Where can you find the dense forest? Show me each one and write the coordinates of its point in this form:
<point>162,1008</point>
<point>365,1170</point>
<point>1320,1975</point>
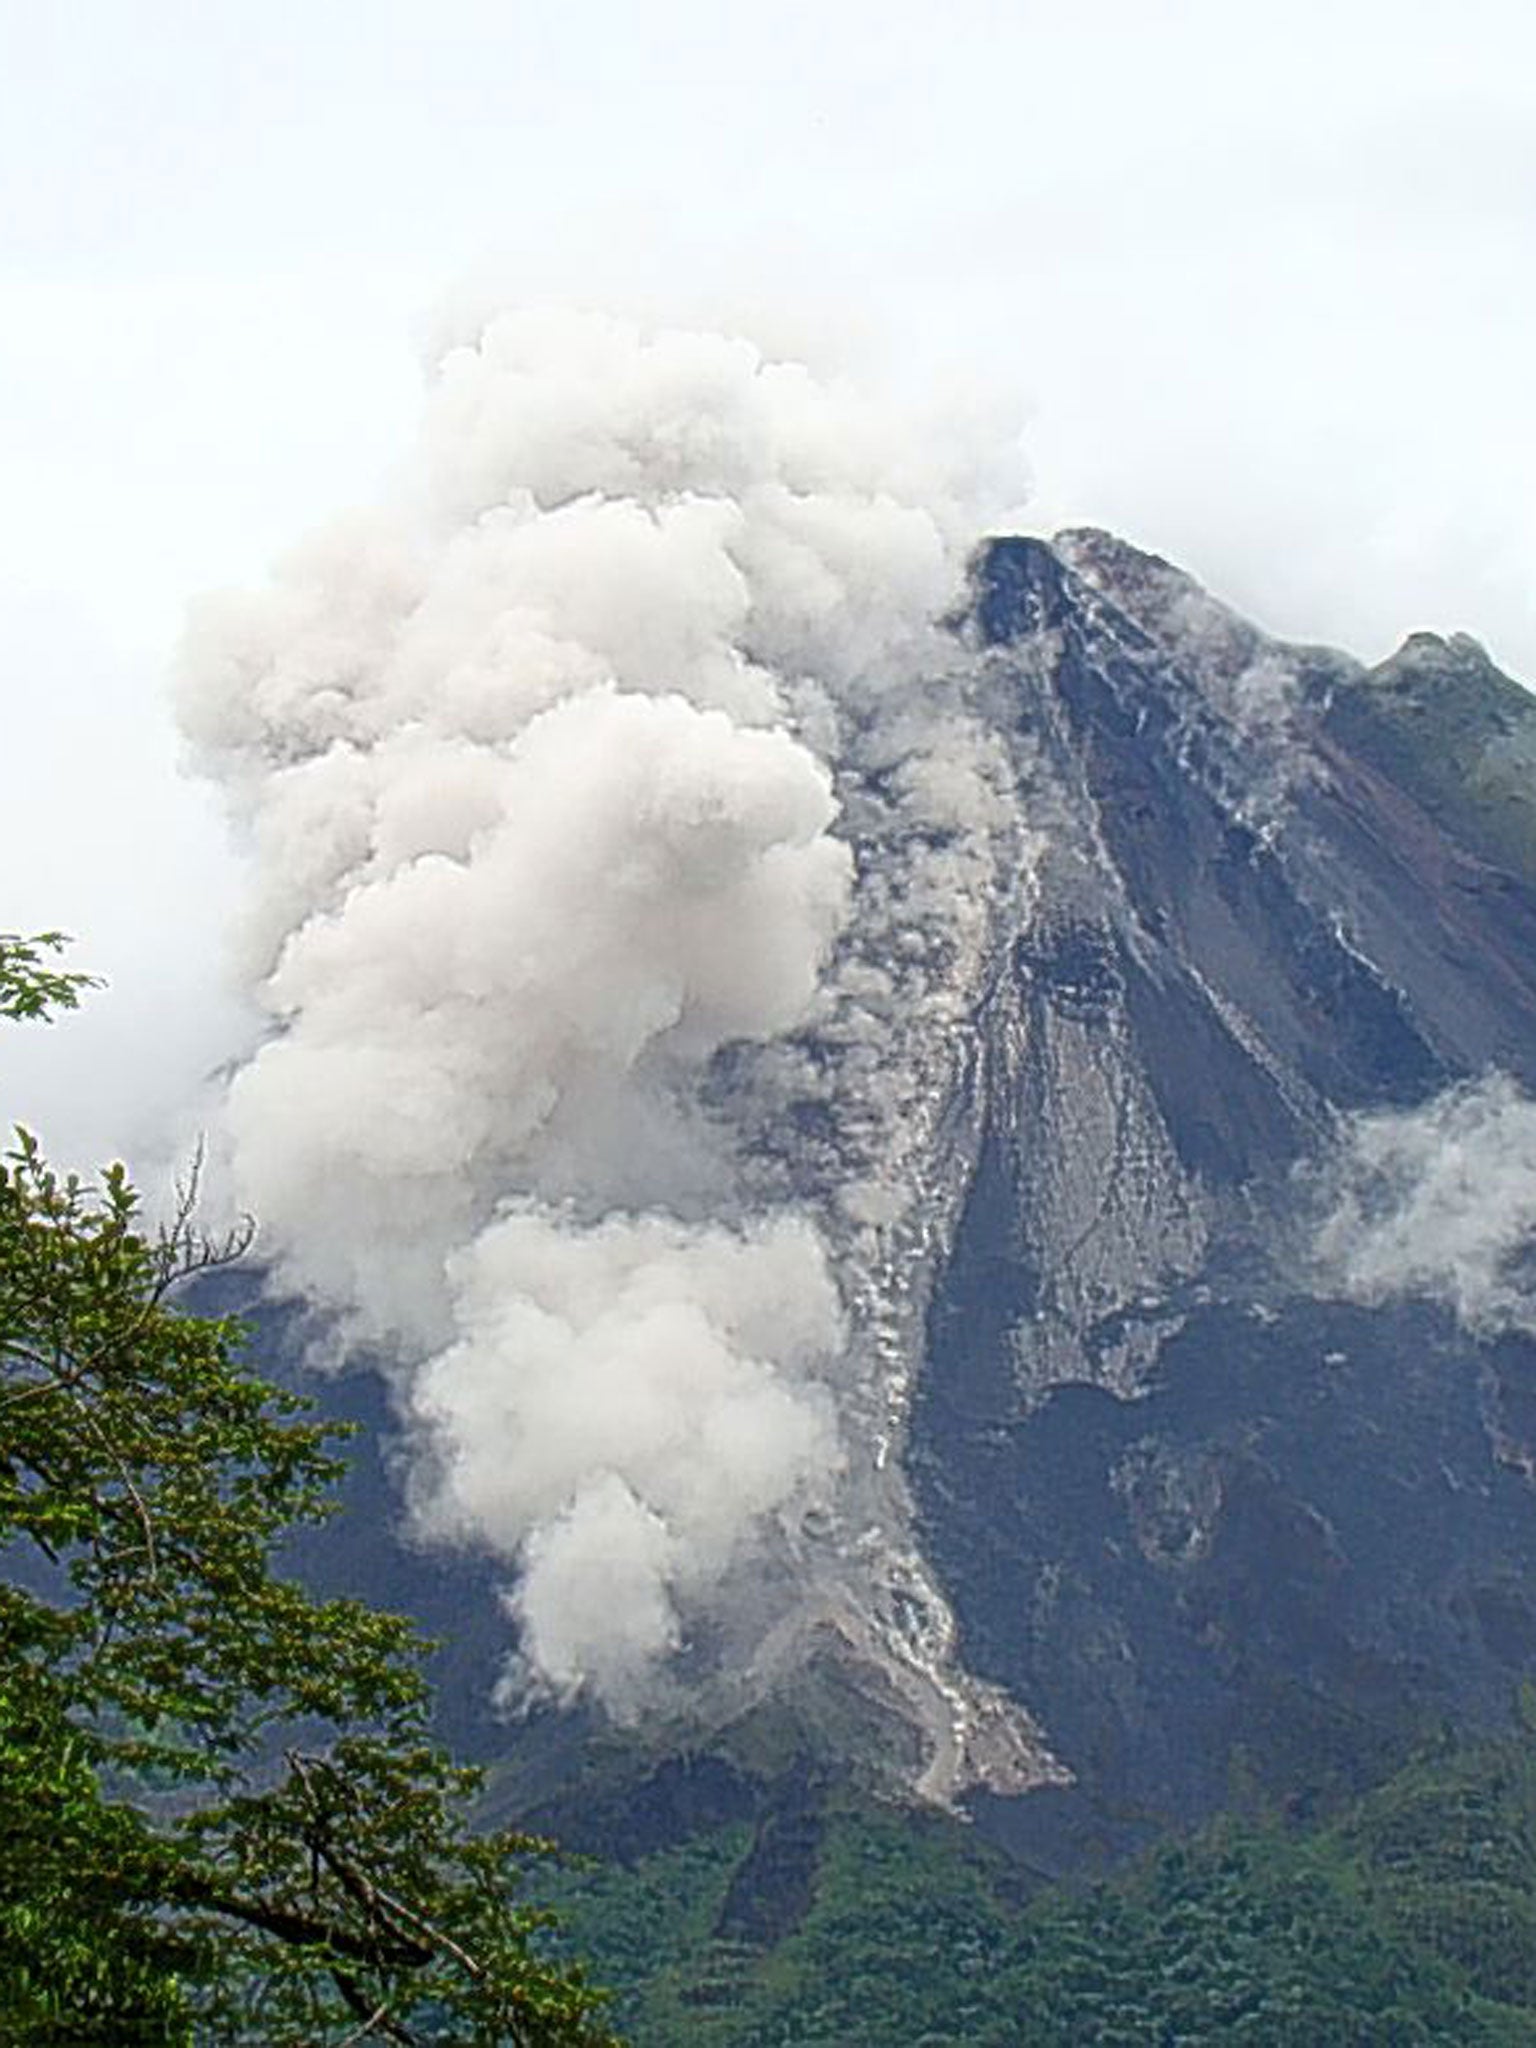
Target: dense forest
<point>1407,1915</point>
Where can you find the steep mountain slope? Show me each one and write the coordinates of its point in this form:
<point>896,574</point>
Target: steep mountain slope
<point>1204,1512</point>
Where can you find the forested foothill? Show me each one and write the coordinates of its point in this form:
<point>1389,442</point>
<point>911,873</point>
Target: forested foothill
<point>1407,1915</point>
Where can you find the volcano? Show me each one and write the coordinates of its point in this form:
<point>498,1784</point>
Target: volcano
<point>1208,1504</point>
<point>1173,1489</point>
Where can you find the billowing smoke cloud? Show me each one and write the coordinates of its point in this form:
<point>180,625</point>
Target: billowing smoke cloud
<point>538,939</point>
<point>631,1417</point>
<point>1440,1202</point>
<point>532,761</point>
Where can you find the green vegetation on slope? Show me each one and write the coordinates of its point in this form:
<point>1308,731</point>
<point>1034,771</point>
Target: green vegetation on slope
<point>1409,1917</point>
<point>1458,736</point>
<point>222,1814</point>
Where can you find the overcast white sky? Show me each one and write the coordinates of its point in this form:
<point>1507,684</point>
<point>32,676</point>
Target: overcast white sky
<point>1264,277</point>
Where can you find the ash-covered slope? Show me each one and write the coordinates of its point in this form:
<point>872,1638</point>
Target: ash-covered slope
<point>1162,1116</point>
<point>1223,1442</point>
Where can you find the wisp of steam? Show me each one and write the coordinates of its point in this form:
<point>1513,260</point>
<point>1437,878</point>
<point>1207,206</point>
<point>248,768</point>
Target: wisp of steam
<point>538,766</point>
<point>1439,1202</point>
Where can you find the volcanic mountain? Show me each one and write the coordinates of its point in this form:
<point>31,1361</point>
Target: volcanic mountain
<point>1211,1440</point>
<point>1222,1468</point>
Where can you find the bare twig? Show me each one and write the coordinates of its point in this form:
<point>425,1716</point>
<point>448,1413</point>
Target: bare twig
<point>380,2015</point>
<point>141,1512</point>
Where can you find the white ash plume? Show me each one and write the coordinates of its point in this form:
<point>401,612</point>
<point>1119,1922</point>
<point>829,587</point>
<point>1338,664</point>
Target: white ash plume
<point>643,1394</point>
<point>533,764</point>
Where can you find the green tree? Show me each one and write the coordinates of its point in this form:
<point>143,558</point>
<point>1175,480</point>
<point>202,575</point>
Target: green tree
<point>222,1816</point>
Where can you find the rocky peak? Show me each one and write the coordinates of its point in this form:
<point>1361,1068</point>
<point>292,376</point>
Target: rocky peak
<point>1174,1478</point>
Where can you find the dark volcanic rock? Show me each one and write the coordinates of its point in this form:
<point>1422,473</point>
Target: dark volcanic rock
<point>1217,1529</point>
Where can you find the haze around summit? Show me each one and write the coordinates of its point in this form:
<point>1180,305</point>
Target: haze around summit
<point>1257,281</point>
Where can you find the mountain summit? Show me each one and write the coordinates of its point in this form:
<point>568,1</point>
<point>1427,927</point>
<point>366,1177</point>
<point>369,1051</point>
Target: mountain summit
<point>1224,1439</point>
